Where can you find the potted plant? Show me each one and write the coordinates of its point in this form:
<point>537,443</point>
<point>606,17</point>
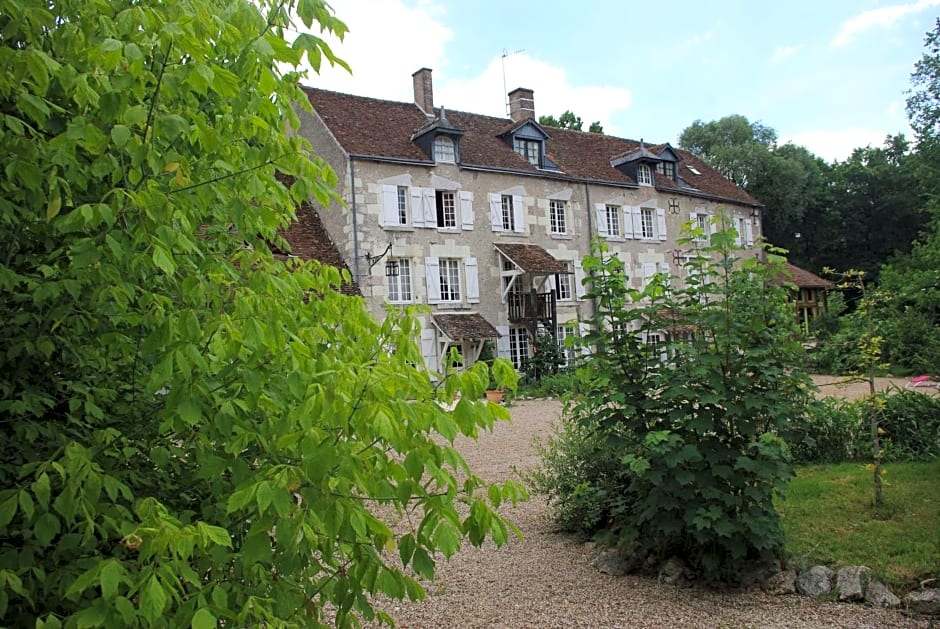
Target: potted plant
<point>501,374</point>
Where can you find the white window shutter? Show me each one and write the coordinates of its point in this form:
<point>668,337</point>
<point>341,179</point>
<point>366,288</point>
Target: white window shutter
<point>466,209</point>
<point>432,267</point>
<point>664,269</point>
<point>749,232</point>
<point>429,207</point>
<point>627,222</point>
<point>417,213</point>
<point>389,215</point>
<point>579,279</point>
<point>600,211</point>
<point>649,270</point>
<point>637,222</point>
<point>496,212</point>
<point>427,348</point>
<point>518,213</point>
<point>502,342</point>
<point>473,280</point>
<point>661,219</point>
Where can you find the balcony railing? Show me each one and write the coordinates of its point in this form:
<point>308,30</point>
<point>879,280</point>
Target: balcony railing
<point>531,307</point>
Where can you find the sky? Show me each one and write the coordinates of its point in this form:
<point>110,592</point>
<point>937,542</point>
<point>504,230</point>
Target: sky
<point>830,75</point>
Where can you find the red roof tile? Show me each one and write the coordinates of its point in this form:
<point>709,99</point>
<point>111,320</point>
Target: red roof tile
<point>532,258</point>
<point>792,274</point>
<point>383,129</point>
<point>465,326</point>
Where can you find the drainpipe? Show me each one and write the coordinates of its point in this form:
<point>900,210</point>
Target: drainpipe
<point>355,221</point>
<point>590,222</point>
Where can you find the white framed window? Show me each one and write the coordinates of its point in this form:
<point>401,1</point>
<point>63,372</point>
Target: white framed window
<point>557,214</point>
<point>644,176</point>
<point>450,279</point>
<point>446,209</point>
<point>402,203</point>
<point>565,292</point>
<point>529,149</point>
<point>508,213</point>
<point>612,220</point>
<point>569,354</point>
<point>399,286</point>
<point>702,223</point>
<point>647,223</point>
<point>444,150</point>
<point>518,347</point>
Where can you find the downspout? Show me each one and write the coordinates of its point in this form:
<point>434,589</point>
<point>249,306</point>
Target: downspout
<point>590,222</point>
<point>355,221</point>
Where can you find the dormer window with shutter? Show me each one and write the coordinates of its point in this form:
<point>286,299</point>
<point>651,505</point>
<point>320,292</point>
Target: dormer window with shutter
<point>440,139</point>
<point>528,139</point>
<point>638,165</point>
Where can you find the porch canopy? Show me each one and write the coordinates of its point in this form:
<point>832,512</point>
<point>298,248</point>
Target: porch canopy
<point>529,260</point>
<point>470,330</point>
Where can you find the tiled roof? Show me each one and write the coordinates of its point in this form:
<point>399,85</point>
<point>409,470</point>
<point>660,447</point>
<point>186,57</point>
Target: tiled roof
<point>793,274</point>
<point>465,326</point>
<point>383,129</point>
<point>309,240</point>
<point>531,258</point>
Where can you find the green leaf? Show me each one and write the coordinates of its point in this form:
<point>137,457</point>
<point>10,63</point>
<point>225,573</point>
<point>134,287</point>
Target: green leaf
<point>163,260</point>
<point>203,619</point>
<point>422,564</point>
<point>46,528</point>
<point>111,575</point>
<point>120,134</point>
<point>152,600</point>
<point>53,207</point>
<point>8,510</point>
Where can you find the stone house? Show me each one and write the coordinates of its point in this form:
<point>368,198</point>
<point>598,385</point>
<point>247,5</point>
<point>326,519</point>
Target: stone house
<point>487,219</point>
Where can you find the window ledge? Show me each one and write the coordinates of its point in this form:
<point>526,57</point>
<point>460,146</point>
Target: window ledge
<point>398,228</point>
<point>449,230</point>
<point>562,236</point>
<point>453,305</point>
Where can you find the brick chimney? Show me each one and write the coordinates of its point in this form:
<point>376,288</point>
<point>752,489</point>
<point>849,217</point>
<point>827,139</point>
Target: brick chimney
<point>424,93</point>
<point>521,104</point>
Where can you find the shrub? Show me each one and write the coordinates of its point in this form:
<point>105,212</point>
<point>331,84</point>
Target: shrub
<point>672,448</point>
<point>836,431</point>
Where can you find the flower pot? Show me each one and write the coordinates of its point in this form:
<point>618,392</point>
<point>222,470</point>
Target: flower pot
<point>495,395</point>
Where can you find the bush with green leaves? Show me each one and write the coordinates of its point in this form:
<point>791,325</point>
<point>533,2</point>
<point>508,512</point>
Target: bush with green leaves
<point>546,359</point>
<point>672,447</point>
<point>838,431</point>
<point>192,432</point>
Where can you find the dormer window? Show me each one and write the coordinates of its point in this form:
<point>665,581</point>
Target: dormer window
<point>529,149</point>
<point>444,150</point>
<point>644,176</point>
<point>667,168</point>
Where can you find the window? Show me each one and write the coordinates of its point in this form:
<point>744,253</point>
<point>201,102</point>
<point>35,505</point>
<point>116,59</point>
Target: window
<point>444,150</point>
<point>518,347</point>
<point>450,279</point>
<point>529,149</point>
<point>702,224</point>
<point>399,286</point>
<point>646,224</point>
<point>446,209</point>
<point>509,219</point>
<point>612,216</point>
<point>644,176</point>
<point>557,217</point>
<point>402,205</point>
<point>569,354</point>
<point>564,287</point>
<point>670,169</point>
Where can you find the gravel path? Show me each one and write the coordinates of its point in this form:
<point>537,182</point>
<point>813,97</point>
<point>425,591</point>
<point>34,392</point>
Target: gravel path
<point>545,579</point>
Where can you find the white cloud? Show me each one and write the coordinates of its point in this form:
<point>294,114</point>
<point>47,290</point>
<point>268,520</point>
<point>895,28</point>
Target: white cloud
<point>382,61</point>
<point>554,91</point>
<point>783,52</point>
<point>837,145</point>
<point>882,16</point>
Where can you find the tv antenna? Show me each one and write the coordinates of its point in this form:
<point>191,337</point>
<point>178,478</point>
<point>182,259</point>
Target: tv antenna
<point>505,93</point>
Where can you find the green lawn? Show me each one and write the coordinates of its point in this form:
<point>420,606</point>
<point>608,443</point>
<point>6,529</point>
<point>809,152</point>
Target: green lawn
<point>828,517</point>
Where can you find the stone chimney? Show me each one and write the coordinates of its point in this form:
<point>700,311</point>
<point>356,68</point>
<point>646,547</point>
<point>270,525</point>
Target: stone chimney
<point>424,94</point>
<point>521,104</point>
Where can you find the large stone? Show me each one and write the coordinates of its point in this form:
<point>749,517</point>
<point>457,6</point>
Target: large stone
<point>878,594</point>
<point>815,581</point>
<point>924,603</point>
<point>851,582</point>
<point>672,572</point>
<point>783,582</point>
<point>611,562</point>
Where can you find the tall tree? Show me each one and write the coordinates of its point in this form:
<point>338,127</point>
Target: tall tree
<point>193,432</point>
<point>569,120</point>
<point>733,145</point>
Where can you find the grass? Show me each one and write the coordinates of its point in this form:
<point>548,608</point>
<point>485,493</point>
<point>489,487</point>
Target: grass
<point>828,516</point>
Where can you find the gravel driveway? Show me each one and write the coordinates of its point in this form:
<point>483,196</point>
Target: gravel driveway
<point>545,579</point>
